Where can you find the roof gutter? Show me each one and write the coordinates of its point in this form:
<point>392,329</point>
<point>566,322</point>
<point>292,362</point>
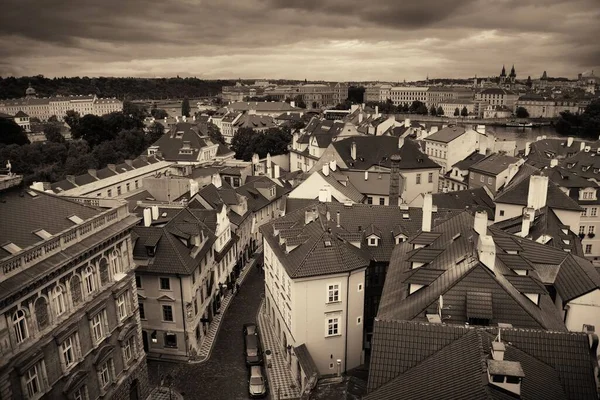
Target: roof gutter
<point>185,337</point>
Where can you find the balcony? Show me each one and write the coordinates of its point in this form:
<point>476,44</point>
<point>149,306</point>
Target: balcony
<point>61,241</point>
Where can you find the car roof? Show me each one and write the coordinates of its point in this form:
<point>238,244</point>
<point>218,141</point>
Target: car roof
<point>255,370</point>
<point>251,339</point>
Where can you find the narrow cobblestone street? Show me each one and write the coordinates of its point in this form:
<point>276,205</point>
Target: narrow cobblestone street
<point>224,375</point>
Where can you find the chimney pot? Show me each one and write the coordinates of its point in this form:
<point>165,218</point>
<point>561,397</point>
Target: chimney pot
<point>338,219</point>
<point>147,217</point>
<point>427,211</point>
<point>325,169</point>
<point>366,175</point>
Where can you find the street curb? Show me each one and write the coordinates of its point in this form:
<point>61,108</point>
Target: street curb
<point>240,280</point>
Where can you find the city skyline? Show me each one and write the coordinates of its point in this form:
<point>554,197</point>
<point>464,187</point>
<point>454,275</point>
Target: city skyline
<point>315,40</point>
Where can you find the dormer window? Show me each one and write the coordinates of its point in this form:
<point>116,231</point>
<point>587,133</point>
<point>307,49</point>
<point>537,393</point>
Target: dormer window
<point>570,165</point>
<point>151,251</point>
<point>413,287</point>
<point>373,241</point>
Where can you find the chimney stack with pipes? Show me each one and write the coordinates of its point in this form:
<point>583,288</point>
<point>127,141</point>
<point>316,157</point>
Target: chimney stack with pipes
<point>528,216</point>
<point>486,251</point>
<point>538,192</point>
<point>325,169</point>
<point>395,180</point>
<point>332,165</point>
<point>154,212</point>
<point>427,212</point>
<point>324,195</point>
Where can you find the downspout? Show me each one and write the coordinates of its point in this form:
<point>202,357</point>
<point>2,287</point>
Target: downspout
<point>347,318</point>
<point>185,338</point>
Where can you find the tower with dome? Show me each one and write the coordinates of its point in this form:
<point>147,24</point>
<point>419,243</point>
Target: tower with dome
<point>30,92</point>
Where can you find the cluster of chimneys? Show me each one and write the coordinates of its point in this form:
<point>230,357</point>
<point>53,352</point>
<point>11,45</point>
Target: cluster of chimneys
<point>329,166</point>
<point>272,170</point>
<point>150,214</point>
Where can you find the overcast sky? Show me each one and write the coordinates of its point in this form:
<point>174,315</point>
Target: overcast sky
<point>336,40</point>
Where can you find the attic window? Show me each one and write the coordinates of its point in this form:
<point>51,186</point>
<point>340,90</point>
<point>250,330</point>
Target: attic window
<point>373,241</point>
<point>75,219</point>
<point>327,243</point>
<point>405,216</point>
<point>179,134</point>
<point>413,287</point>
<point>11,248</point>
<point>150,250</point>
<point>534,297</point>
<point>455,236</point>
<point>32,193</point>
<point>570,165</point>
<point>460,259</point>
<point>43,234</point>
<point>585,167</point>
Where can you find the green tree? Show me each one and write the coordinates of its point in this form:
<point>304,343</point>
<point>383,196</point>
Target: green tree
<point>299,101</point>
<point>586,125</point>
<point>72,119</point>
<point>215,133</point>
<point>53,118</point>
<point>11,133</point>
<point>93,129</point>
<point>52,130</point>
<point>155,132</point>
<point>185,107</point>
<point>521,112</point>
<point>135,112</point>
<point>464,112</point>
<point>456,112</point>
<point>159,113</point>
<point>433,111</point>
<point>440,111</point>
<point>418,107</point>
<point>243,143</point>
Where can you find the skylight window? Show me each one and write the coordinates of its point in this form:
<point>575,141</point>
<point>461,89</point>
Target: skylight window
<point>405,216</point>
<point>43,234</point>
<point>75,219</point>
<point>32,193</point>
<point>11,248</point>
<point>327,243</point>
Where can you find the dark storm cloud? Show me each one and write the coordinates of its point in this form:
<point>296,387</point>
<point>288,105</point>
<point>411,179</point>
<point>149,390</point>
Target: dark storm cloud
<point>376,39</point>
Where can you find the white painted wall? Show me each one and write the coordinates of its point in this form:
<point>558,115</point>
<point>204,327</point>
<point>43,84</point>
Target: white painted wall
<point>309,189</point>
<point>584,310</point>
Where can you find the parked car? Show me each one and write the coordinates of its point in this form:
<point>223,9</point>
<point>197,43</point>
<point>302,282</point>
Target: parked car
<point>250,329</point>
<point>252,350</point>
<point>257,383</point>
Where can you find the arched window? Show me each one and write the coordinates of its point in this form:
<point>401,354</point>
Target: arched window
<point>104,278</point>
<point>115,263</point>
<point>88,280</point>
<point>59,301</point>
<point>75,285</point>
<point>20,326</point>
<point>41,312</point>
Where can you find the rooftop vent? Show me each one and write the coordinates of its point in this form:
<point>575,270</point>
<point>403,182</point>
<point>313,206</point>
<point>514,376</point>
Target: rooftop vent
<point>11,248</point>
<point>75,219</point>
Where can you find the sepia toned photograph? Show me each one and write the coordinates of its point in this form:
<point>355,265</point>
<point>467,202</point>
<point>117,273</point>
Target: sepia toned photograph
<point>299,200</point>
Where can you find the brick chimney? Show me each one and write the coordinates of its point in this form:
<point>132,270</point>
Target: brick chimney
<point>486,251</point>
<point>395,180</point>
<point>325,169</point>
<point>538,192</point>
<point>427,212</point>
<point>528,217</point>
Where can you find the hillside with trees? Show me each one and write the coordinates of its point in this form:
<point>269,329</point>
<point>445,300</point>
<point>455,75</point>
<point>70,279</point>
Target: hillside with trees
<point>121,88</point>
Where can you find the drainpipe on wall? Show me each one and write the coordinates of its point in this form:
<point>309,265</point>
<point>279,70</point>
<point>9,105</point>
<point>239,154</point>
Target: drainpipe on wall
<point>347,317</point>
<point>185,338</point>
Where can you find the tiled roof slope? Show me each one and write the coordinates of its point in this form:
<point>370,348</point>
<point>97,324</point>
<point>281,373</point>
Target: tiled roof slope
<point>376,151</point>
<point>571,275</point>
<point>24,213</point>
<point>566,178</point>
<point>472,199</point>
<point>173,141</point>
<point>430,361</point>
<point>493,164</point>
<point>471,159</point>
<point>172,256</point>
<point>263,106</point>
<point>546,223</point>
<point>542,151</point>
<point>256,200</point>
<point>323,131</point>
<point>341,182</point>
<point>518,193</point>
<point>585,164</point>
<point>453,257</point>
<point>446,135</point>
<point>254,121</point>
<point>354,222</point>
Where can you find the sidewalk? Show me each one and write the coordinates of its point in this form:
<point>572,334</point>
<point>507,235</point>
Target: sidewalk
<point>209,340</point>
<point>282,385</point>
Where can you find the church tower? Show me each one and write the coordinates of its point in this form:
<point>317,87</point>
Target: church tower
<point>503,75</point>
<point>513,75</point>
<point>30,92</point>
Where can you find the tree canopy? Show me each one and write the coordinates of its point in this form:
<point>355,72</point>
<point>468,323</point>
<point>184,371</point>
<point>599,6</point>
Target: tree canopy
<point>215,133</point>
<point>246,142</point>
<point>464,112</point>
<point>418,107</point>
<point>521,112</point>
<point>586,125</point>
<point>12,133</point>
<point>185,107</point>
<point>52,131</point>
<point>456,112</point>
<point>440,111</point>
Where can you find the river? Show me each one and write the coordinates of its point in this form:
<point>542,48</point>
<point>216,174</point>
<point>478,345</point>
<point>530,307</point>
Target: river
<point>522,135</point>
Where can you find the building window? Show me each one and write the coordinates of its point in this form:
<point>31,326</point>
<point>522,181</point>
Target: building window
<point>76,295</point>
<point>591,229</point>
<point>588,248</point>
<point>489,181</point>
<point>142,311</point>
<point>138,282</point>
<point>584,212</point>
<point>165,284</point>
<point>382,201</point>
<point>118,190</point>
<point>109,193</point>
<point>170,340</point>
<point>81,393</point>
<point>115,263</point>
<point>481,178</point>
<point>136,184</point>
<point>99,322</point>
<point>333,326</point>
<point>128,186</point>
<point>418,179</point>
<point>123,305</point>
<point>129,349</point>
<point>582,230</point>
<point>369,200</point>
<point>502,213</point>
<point>167,312</point>
<point>88,279</point>
<point>34,380</point>
<point>430,177</point>
<point>20,326</point>
<point>593,211</point>
<point>69,351</point>
<point>105,373</point>
<point>333,293</point>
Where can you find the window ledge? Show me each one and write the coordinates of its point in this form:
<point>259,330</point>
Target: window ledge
<point>334,302</point>
<point>333,336</point>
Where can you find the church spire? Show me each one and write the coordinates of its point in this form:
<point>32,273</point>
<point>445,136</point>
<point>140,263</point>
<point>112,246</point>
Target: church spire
<point>512,72</point>
<point>503,73</point>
